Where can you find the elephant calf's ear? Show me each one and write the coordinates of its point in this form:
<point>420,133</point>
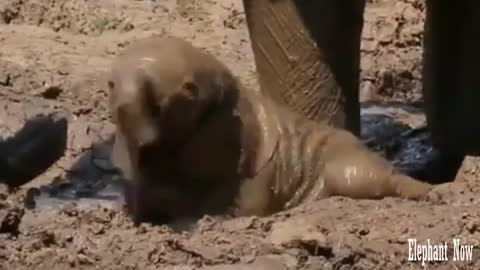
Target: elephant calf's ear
<point>111,85</point>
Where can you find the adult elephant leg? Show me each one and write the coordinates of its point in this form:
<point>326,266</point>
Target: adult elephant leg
<point>451,75</point>
<point>307,55</point>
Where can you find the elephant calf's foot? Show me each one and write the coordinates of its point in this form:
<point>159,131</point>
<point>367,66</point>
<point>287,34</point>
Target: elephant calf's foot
<point>410,188</point>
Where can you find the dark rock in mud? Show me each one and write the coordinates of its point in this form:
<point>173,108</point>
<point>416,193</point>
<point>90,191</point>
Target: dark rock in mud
<point>10,221</point>
<point>33,149</point>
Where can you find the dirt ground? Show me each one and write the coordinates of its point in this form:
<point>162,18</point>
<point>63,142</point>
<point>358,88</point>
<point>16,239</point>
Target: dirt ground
<point>53,57</point>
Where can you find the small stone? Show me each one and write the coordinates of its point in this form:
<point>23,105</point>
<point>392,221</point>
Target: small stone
<point>51,92</point>
<point>11,221</point>
<point>30,196</point>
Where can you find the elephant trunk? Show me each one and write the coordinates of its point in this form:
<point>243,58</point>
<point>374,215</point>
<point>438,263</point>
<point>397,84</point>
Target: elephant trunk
<point>307,55</point>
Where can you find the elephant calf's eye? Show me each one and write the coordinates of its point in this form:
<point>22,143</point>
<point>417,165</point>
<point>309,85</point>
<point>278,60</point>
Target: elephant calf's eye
<point>111,85</point>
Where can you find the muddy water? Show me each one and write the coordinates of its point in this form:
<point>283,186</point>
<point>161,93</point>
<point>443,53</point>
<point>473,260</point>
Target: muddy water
<point>396,131</point>
<point>91,181</point>
<point>400,134</point>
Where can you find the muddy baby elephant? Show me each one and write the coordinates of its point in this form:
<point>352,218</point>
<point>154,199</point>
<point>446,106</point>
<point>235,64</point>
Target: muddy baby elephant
<point>191,140</point>
<point>307,55</point>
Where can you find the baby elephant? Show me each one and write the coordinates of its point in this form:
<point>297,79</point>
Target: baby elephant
<point>190,141</point>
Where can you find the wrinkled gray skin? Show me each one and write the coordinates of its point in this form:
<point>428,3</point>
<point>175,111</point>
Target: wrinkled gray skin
<point>307,54</point>
<point>192,141</point>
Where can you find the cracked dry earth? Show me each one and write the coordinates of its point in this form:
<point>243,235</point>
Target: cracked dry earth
<point>53,57</point>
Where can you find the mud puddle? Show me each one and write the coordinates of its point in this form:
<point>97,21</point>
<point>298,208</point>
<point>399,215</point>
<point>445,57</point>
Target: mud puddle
<point>398,132</point>
<point>49,199</point>
<point>91,182</point>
